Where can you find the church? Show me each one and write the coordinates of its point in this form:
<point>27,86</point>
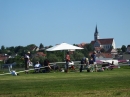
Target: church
<point>108,44</point>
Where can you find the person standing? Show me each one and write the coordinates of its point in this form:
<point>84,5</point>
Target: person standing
<point>91,64</point>
<point>87,62</point>
<point>27,61</point>
<point>67,58</point>
<point>93,56</point>
<point>83,62</point>
<point>87,65</point>
<point>47,65</point>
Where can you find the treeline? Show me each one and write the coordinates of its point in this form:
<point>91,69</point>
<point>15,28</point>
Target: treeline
<point>17,54</point>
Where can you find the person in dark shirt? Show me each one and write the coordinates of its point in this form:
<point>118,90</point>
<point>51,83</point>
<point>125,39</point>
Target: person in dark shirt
<point>47,66</point>
<point>83,62</point>
<point>93,56</point>
<point>91,63</point>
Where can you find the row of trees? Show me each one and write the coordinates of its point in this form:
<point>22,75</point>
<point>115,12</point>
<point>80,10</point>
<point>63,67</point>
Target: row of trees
<point>18,52</point>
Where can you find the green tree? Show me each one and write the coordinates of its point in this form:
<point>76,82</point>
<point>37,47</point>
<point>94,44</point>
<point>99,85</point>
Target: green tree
<point>35,59</point>
<point>2,47</point>
<point>78,56</point>
<point>54,58</point>
<point>3,50</point>
<point>10,61</point>
<point>102,50</point>
<point>41,59</point>
<point>89,47</point>
<point>1,62</point>
<point>123,48</point>
<point>41,46</point>
<point>19,61</point>
<point>119,50</point>
<point>10,50</point>
<point>30,47</point>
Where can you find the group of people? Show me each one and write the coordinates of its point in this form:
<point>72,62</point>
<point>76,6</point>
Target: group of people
<point>37,65</point>
<point>90,64</point>
<point>84,62</point>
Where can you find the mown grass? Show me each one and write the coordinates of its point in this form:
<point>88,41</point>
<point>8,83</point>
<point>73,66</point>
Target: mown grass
<point>73,84</point>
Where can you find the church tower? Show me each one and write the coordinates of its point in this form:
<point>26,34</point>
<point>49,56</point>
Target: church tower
<point>96,36</point>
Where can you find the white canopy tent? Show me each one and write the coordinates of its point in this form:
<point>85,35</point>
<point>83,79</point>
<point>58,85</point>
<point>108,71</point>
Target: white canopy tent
<point>64,46</point>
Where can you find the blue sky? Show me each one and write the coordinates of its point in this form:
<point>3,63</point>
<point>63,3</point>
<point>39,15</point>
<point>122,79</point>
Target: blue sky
<point>50,22</point>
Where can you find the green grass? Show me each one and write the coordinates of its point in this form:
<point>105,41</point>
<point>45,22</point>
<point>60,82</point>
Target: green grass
<point>114,83</point>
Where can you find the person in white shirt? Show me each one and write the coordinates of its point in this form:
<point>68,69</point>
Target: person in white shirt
<point>27,61</point>
<point>37,67</point>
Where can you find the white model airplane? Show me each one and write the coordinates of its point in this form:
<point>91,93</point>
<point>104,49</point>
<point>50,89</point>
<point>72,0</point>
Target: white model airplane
<point>115,62</point>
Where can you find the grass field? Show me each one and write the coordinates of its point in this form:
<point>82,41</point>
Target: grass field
<point>114,83</point>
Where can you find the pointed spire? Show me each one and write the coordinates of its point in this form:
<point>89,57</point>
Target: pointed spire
<point>96,34</point>
<point>96,31</point>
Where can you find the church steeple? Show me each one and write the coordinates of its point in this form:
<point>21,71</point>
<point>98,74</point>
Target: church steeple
<point>96,34</point>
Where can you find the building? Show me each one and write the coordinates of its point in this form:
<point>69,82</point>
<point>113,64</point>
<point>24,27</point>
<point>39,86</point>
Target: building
<point>106,43</point>
<point>128,49</point>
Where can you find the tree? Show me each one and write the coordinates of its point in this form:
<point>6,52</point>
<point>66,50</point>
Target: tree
<point>2,47</point>
<point>123,48</point>
<point>41,46</point>
<point>10,50</point>
<point>18,49</point>
<point>118,50</point>
<point>78,56</point>
<point>89,47</point>
<point>30,47</point>
<point>35,59</point>
<point>3,50</point>
<point>54,58</point>
<point>102,50</point>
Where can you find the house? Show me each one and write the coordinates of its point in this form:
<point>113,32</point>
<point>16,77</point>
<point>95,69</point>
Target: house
<point>104,56</point>
<point>82,45</point>
<point>33,48</point>
<point>3,57</point>
<point>41,54</point>
<point>128,49</point>
<point>100,56</point>
<point>113,51</point>
<point>105,43</point>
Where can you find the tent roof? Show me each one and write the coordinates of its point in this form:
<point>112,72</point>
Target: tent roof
<point>63,46</point>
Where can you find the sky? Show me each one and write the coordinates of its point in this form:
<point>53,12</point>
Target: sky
<point>50,22</point>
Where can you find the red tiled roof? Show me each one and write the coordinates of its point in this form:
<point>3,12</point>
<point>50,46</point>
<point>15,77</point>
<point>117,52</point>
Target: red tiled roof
<point>82,44</point>
<point>3,58</point>
<point>104,41</point>
<point>105,55</point>
<point>41,54</point>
